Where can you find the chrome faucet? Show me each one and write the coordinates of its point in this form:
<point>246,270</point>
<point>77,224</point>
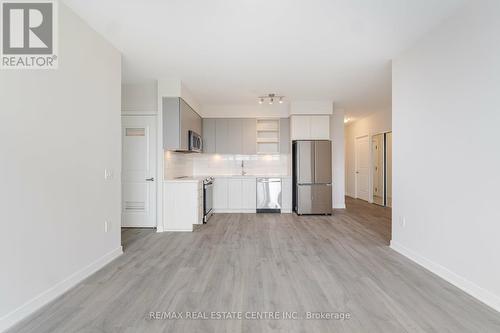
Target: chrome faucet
<point>243,168</point>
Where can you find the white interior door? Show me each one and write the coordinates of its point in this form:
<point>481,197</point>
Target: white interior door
<point>388,144</point>
<point>362,168</point>
<point>139,171</point>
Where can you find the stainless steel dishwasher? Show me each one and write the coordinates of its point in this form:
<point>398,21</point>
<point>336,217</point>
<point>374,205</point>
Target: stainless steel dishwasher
<point>268,195</point>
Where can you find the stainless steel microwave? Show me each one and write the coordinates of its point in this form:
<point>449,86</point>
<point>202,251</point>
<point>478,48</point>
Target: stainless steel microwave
<point>195,142</point>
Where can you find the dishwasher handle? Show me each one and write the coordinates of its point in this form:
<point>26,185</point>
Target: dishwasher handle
<point>269,180</point>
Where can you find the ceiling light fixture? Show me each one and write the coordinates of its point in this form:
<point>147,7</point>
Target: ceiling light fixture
<point>271,98</point>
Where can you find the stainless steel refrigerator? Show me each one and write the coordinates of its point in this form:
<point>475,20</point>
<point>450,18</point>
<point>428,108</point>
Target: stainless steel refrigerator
<point>312,177</point>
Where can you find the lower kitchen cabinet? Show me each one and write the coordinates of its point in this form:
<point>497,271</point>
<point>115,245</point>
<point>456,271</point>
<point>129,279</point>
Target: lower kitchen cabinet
<point>182,205</point>
<point>249,194</point>
<point>220,198</point>
<point>286,194</point>
<point>235,194</point>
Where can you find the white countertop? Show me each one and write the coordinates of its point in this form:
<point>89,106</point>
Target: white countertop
<point>194,179</point>
<point>201,178</point>
<point>248,176</point>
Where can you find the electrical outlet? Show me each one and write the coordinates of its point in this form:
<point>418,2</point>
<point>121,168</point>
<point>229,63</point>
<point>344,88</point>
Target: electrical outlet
<point>106,226</point>
<point>108,174</point>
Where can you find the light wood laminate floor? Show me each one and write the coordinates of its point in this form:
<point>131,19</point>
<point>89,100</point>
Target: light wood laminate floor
<point>267,262</point>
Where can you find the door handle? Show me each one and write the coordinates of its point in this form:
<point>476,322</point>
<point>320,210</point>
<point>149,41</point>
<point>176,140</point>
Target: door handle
<point>150,179</point>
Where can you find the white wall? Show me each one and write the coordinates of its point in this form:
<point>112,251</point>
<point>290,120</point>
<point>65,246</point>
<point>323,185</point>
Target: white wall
<point>311,107</point>
<point>338,157</point>
<point>60,130</point>
<point>446,104</point>
<point>377,122</point>
<point>256,110</point>
<point>140,97</point>
<point>253,110</point>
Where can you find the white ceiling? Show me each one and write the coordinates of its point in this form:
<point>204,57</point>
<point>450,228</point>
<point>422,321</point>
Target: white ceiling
<point>231,51</point>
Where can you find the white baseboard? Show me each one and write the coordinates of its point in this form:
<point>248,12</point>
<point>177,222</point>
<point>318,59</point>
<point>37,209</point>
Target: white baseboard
<point>177,230</point>
<point>229,211</point>
<point>57,290</point>
<point>458,281</point>
<point>340,206</point>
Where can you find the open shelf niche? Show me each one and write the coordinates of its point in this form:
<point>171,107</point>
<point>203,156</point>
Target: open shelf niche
<point>268,136</point>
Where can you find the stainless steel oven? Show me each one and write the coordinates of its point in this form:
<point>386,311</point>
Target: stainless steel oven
<point>208,191</point>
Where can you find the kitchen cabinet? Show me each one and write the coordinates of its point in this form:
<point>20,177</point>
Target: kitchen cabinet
<point>300,127</point>
<point>248,143</point>
<point>182,205</point>
<point>320,127</point>
<point>234,136</point>
<point>248,194</point>
<point>229,136</point>
<point>222,146</point>
<point>310,127</point>
<point>285,136</point>
<point>286,194</point>
<point>178,119</point>
<point>209,136</point>
<point>235,194</point>
<point>220,198</point>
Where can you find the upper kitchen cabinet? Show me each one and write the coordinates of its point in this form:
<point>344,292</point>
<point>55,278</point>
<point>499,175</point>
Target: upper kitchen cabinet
<point>178,119</point>
<point>209,135</point>
<point>234,144</point>
<point>285,136</point>
<point>310,127</point>
<point>229,135</point>
<point>221,136</point>
<point>248,144</point>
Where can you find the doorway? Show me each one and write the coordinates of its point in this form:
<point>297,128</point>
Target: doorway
<point>381,166</point>
<point>138,171</point>
<point>362,162</point>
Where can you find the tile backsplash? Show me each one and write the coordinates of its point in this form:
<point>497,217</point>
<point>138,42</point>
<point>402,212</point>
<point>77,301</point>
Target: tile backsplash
<point>179,164</point>
<point>220,165</point>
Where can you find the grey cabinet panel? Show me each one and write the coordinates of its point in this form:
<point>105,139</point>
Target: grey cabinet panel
<point>185,124</point>
<point>178,119</point>
<point>285,136</point>
<point>190,120</point>
<point>171,123</point>
<point>221,136</point>
<point>235,128</point>
<point>248,143</point>
<point>209,135</point>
